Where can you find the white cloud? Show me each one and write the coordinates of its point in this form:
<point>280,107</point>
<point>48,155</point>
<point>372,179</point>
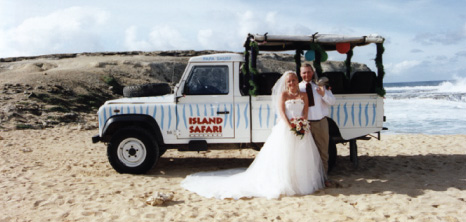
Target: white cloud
<point>463,32</point>
<point>461,54</point>
<point>401,67</point>
<point>453,37</point>
<point>161,38</point>
<point>204,37</point>
<point>69,30</point>
<point>167,38</point>
<point>131,41</point>
<point>270,18</point>
<point>257,23</point>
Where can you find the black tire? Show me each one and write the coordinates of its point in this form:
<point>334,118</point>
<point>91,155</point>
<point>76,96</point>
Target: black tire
<point>332,154</point>
<point>162,151</point>
<point>148,89</point>
<point>132,150</point>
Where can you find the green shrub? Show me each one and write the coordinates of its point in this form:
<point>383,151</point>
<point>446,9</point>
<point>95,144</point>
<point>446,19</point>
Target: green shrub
<point>23,126</point>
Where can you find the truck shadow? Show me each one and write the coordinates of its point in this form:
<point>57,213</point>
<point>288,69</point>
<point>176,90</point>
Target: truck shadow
<point>181,167</point>
<point>410,175</point>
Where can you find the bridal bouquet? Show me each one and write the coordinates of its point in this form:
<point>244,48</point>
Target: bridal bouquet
<point>300,126</point>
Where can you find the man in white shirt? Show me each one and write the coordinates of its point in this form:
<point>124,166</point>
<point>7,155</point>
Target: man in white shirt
<point>319,101</point>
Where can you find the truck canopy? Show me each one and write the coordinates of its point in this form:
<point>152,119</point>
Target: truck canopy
<point>316,46</point>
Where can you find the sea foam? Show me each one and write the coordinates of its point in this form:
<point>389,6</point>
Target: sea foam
<point>435,107</point>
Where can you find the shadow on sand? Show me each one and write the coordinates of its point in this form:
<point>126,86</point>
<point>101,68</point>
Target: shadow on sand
<point>410,175</point>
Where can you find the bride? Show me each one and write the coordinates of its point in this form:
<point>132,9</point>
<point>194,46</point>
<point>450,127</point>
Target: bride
<point>286,165</point>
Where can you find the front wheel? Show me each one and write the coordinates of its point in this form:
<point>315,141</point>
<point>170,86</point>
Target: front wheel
<point>132,150</point>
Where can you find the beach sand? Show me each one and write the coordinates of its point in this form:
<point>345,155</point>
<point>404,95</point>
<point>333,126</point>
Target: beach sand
<point>57,174</point>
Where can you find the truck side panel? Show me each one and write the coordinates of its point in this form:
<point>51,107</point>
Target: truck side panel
<point>264,118</point>
<point>357,115</point>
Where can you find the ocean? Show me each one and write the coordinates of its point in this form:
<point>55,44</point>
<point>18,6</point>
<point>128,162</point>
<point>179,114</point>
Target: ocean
<point>431,107</point>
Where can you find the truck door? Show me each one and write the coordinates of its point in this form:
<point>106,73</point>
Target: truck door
<point>206,109</point>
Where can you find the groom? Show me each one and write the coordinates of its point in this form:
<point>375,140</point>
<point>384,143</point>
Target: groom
<point>319,101</point>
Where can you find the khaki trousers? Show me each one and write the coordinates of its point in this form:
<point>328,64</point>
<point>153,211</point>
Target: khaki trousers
<point>319,131</point>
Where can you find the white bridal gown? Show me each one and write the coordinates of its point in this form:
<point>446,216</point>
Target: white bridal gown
<point>286,165</point>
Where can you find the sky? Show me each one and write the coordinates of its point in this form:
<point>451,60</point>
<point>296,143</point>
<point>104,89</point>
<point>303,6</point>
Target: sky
<point>424,39</point>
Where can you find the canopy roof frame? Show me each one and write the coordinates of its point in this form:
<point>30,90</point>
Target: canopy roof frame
<point>293,42</point>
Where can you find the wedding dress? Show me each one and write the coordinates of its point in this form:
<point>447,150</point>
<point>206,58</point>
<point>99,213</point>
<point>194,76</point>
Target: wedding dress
<point>286,165</point>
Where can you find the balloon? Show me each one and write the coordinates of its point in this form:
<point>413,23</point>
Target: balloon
<point>343,48</point>
<point>323,56</point>
<point>310,55</point>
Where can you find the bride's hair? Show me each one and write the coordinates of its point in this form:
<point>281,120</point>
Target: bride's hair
<point>279,88</point>
<point>285,75</point>
<point>290,72</point>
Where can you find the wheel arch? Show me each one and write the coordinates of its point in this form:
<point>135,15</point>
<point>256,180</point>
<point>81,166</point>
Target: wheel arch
<point>120,121</point>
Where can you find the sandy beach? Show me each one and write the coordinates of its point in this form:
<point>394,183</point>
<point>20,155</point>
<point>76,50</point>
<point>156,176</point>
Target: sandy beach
<point>57,174</point>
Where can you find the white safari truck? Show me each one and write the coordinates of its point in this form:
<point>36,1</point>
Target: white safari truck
<point>222,101</point>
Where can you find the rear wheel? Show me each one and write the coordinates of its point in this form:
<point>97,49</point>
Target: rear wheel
<point>132,150</point>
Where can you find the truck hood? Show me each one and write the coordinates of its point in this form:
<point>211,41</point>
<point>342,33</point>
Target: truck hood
<point>170,98</point>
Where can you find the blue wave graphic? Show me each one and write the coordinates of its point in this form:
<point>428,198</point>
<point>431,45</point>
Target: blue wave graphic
<point>177,117</point>
<point>346,114</point>
<point>226,116</point>
<point>105,115</point>
<point>238,115</point>
<point>163,115</point>
<point>360,112</point>
<point>205,109</point>
<point>260,116</point>
<point>184,116</point>
<point>197,108</point>
<point>231,115</point>
<point>352,113</point>
<point>338,114</point>
<point>100,122</point>
<point>246,115</point>
<point>331,112</point>
<point>169,116</point>
<point>367,113</point>
<point>268,115</point>
<point>373,112</point>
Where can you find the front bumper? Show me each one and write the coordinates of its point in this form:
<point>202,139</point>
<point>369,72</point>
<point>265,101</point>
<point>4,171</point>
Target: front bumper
<point>96,139</point>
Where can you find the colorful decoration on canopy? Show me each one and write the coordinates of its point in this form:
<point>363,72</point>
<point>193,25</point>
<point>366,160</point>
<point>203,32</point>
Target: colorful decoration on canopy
<point>323,56</point>
<point>343,48</point>
<point>310,55</point>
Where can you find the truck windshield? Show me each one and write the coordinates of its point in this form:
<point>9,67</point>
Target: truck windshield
<point>207,80</point>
